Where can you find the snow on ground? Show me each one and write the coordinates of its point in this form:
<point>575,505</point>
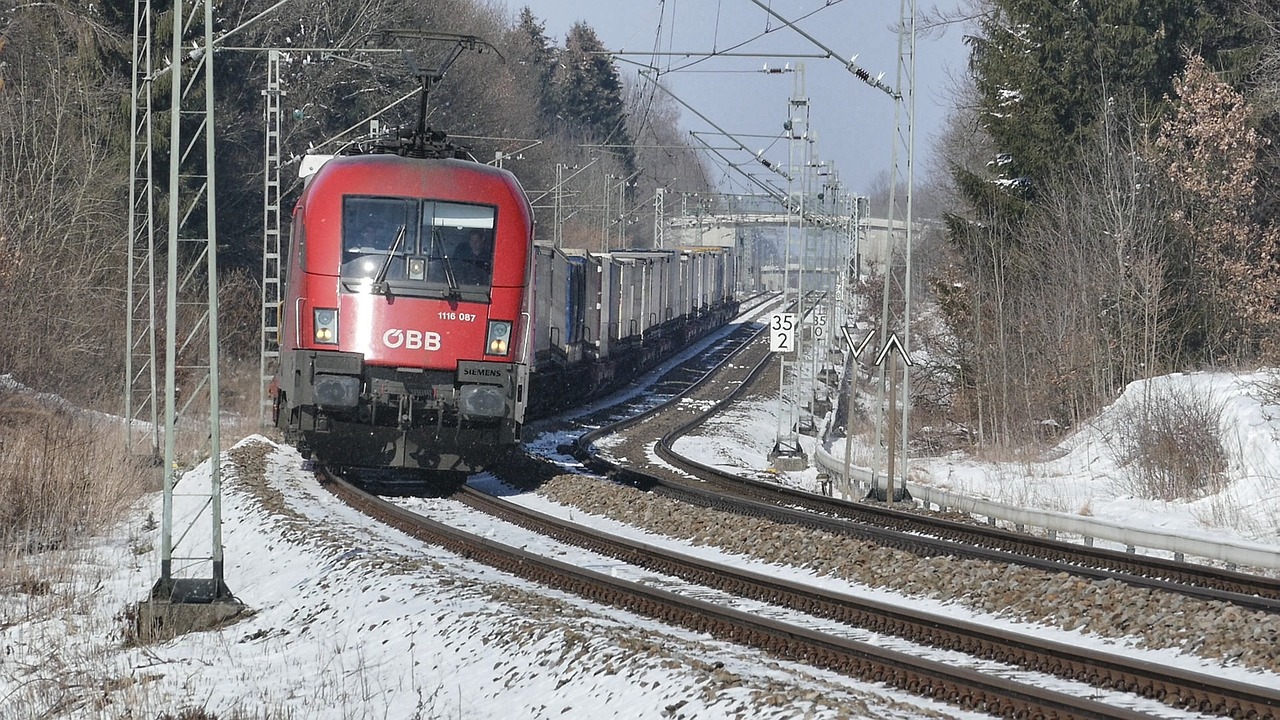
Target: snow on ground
<point>1083,475</point>
<point>352,620</point>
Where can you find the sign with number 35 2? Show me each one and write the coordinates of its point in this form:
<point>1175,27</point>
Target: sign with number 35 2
<point>782,332</point>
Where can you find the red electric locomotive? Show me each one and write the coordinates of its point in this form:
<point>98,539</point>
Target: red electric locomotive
<point>404,314</point>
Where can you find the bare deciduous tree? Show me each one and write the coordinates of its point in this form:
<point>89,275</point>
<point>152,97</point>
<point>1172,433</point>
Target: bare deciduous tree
<point>62,178</point>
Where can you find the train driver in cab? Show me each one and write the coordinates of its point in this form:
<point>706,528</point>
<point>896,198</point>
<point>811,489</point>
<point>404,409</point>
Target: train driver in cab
<point>473,258</point>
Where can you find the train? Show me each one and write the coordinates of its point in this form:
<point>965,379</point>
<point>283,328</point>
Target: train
<point>420,323</point>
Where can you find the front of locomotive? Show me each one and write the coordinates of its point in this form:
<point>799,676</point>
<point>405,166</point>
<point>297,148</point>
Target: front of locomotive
<point>404,314</point>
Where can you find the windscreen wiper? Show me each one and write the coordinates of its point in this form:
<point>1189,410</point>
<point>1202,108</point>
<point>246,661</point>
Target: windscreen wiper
<point>380,284</point>
<point>438,251</point>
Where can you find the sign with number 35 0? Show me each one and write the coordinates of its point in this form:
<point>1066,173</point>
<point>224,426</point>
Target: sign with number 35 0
<point>782,332</point>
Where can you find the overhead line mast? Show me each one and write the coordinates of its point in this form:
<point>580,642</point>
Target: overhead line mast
<point>904,123</point>
<point>191,592</point>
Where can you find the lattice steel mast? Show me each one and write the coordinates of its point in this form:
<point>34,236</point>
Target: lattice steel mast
<point>141,412</point>
<point>191,564</point>
<point>271,270</point>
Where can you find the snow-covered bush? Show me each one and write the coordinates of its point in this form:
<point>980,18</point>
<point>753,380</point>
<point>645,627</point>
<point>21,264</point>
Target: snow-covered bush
<point>1167,442</point>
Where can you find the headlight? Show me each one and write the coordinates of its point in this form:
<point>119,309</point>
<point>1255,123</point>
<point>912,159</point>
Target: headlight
<point>325,321</point>
<point>498,341</point>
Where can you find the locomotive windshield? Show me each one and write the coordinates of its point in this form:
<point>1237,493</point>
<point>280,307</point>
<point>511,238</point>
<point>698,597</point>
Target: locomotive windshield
<point>410,246</point>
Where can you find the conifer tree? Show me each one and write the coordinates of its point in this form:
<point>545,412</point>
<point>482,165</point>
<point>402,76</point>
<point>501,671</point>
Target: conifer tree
<point>536,58</point>
<point>588,91</point>
<point>1046,74</point>
<point>1043,67</point>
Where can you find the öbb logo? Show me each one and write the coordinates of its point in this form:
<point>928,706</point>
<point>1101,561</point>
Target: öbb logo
<point>411,339</point>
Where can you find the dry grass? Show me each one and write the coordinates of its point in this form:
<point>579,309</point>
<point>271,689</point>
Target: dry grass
<point>66,477</point>
<point>63,475</point>
<point>241,402</point>
<point>66,474</point>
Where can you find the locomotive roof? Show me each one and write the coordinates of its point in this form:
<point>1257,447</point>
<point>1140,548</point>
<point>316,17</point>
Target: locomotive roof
<point>375,174</point>
<point>313,164</point>
<point>390,159</point>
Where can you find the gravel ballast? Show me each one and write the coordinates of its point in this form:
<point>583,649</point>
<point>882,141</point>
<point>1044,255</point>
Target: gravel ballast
<point>1156,620</point>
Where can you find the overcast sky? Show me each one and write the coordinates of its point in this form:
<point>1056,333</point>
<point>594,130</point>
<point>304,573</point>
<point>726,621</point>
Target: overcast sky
<point>852,121</point>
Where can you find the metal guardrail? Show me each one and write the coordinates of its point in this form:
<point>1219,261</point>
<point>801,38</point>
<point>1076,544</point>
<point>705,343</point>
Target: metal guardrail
<point>1236,553</point>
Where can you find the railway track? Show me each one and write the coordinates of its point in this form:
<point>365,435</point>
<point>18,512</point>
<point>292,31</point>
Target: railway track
<point>677,380</point>
<point>1175,687</point>
<point>965,688</point>
<point>922,533</point>
<point>739,359</point>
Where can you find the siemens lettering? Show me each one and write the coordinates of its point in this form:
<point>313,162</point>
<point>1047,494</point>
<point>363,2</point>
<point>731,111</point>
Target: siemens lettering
<point>483,372</point>
<point>411,339</point>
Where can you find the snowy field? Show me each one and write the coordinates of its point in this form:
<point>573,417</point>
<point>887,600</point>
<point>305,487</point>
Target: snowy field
<point>1083,475</point>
